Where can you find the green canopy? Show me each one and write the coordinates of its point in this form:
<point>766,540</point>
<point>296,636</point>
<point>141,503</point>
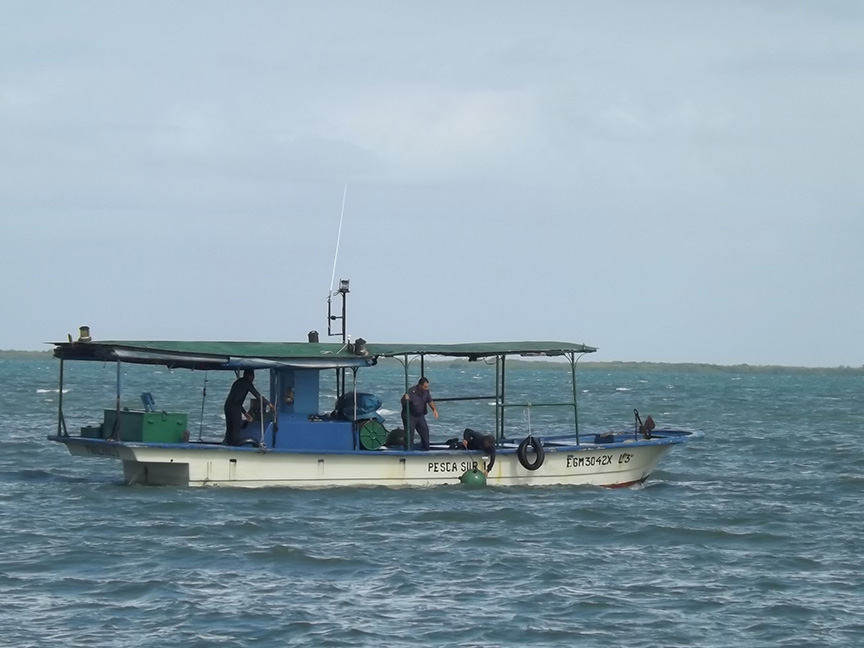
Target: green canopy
<point>236,355</point>
<point>472,350</point>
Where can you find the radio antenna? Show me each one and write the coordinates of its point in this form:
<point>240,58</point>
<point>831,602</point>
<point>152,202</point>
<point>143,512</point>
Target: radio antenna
<point>338,238</point>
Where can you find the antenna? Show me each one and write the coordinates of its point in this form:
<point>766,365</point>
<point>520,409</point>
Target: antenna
<point>338,239</point>
<point>343,283</point>
<point>343,291</point>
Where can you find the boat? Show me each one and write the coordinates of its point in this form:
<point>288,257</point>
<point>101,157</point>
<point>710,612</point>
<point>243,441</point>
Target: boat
<point>303,443</point>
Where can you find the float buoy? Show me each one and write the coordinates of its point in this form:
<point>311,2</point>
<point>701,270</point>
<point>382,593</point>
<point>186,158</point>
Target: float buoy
<point>522,453</point>
<point>473,477</point>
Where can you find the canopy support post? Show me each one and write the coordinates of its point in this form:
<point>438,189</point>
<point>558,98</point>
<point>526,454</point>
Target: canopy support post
<point>356,431</point>
<point>501,406</point>
<point>203,398</point>
<point>498,431</point>
<point>115,432</point>
<point>278,399</point>
<point>61,421</point>
<point>573,361</point>
<point>406,413</point>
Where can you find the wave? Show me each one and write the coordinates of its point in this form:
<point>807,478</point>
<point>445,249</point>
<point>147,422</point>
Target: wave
<point>51,391</point>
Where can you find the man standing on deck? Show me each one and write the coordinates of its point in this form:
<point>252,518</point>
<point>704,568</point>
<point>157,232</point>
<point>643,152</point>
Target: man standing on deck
<point>415,402</point>
<point>234,410</point>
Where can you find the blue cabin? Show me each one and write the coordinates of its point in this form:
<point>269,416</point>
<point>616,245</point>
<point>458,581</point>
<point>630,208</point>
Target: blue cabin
<point>353,424</point>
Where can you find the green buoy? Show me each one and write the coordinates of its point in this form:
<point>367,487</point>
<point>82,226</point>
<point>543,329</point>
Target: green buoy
<point>473,477</point>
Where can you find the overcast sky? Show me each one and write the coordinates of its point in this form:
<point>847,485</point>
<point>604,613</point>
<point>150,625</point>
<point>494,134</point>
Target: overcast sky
<point>668,181</point>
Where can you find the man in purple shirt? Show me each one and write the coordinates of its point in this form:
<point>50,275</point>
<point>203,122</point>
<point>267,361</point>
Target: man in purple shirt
<point>415,402</point>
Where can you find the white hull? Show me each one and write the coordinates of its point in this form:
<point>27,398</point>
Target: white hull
<point>612,465</point>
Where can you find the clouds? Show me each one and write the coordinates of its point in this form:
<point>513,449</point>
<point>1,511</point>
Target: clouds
<point>434,131</point>
<point>549,170</point>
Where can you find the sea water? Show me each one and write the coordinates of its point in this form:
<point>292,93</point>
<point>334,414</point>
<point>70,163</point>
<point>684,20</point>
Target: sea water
<point>750,535</point>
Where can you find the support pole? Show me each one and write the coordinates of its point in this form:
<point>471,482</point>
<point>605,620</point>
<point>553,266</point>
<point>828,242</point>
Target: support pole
<point>61,423</point>
<point>356,434</point>
<point>499,432</point>
<point>115,433</point>
<point>203,398</point>
<point>572,357</point>
<point>406,412</point>
<point>503,385</point>
<point>278,402</point>
<point>261,418</point>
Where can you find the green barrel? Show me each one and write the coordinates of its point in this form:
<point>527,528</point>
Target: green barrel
<point>372,435</point>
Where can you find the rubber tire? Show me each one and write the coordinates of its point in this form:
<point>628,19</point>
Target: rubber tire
<point>522,453</point>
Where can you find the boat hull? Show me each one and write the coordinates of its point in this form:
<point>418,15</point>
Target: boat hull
<point>629,461</point>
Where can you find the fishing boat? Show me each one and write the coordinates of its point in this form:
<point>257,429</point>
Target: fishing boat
<point>303,443</point>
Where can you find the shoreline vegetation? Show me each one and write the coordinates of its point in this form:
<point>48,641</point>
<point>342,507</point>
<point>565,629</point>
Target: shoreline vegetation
<point>584,365</point>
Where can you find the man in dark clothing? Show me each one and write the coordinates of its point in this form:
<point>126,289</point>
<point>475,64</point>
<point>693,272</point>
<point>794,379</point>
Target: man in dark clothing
<point>234,410</point>
<point>415,401</point>
<point>472,440</point>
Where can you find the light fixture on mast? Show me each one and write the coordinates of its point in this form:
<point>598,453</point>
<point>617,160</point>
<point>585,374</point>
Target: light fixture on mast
<point>343,290</point>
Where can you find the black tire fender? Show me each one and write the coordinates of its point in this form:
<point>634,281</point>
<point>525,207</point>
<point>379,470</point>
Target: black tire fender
<point>522,453</point>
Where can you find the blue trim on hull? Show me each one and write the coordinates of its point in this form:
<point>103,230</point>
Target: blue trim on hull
<point>556,444</point>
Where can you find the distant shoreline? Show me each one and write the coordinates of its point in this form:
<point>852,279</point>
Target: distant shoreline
<point>584,365</point>
<point>24,355</point>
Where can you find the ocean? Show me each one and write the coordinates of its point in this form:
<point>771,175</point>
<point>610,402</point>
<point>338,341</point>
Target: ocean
<point>750,535</point>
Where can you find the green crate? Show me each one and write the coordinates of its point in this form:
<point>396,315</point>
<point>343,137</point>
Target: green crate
<point>149,427</point>
<point>91,432</point>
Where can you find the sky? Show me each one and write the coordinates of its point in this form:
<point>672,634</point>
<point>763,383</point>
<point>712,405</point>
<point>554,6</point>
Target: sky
<point>669,181</point>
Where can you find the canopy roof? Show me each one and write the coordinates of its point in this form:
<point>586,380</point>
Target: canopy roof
<point>301,355</point>
<point>472,350</point>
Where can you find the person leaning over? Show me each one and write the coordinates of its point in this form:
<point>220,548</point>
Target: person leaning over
<point>417,399</point>
<point>473,440</point>
<point>234,410</point>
